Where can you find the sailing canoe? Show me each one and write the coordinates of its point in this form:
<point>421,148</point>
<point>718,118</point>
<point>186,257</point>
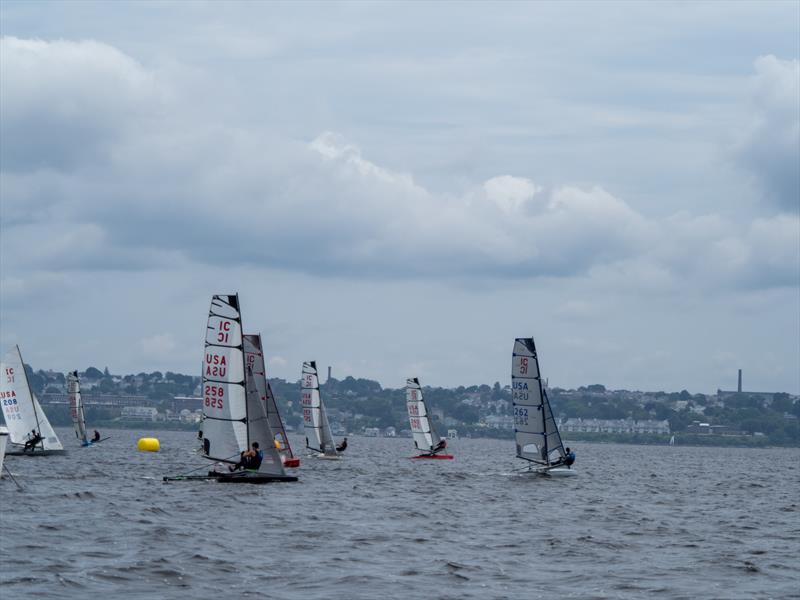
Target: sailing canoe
<point>426,440</point>
<point>319,438</point>
<point>23,413</point>
<point>234,416</point>
<point>535,430</point>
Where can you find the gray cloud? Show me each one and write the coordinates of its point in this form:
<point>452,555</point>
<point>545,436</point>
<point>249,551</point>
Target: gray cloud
<point>770,147</point>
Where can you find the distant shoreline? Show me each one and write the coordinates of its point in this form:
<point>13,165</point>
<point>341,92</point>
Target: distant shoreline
<point>681,440</point>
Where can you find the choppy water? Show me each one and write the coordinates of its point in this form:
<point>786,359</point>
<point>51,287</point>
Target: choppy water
<point>637,522</point>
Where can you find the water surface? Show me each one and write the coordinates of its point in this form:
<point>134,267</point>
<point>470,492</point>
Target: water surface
<point>638,521</point>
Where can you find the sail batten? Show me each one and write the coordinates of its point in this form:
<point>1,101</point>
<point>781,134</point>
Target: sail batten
<point>535,428</point>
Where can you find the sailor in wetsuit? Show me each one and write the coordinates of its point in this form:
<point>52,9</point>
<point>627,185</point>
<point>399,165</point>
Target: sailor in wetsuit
<point>249,459</point>
<point>33,438</point>
<point>440,446</point>
<point>96,437</point>
<point>343,446</point>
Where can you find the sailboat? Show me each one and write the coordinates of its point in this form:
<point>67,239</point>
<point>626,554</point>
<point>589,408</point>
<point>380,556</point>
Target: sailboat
<point>672,441</point>
<point>234,416</point>
<point>535,429</point>
<point>426,440</point>
<point>77,412</point>
<point>254,359</point>
<point>315,419</point>
<point>29,430</point>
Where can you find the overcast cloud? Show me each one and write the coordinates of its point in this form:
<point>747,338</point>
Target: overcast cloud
<point>396,201</point>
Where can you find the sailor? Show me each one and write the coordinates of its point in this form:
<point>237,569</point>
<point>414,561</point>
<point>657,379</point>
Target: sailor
<point>440,446</point>
<point>569,458</point>
<point>249,459</point>
<point>33,438</point>
<point>343,446</point>
<point>96,437</point>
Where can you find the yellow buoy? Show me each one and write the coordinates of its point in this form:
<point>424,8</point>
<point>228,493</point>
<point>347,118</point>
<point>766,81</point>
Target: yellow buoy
<point>148,445</point>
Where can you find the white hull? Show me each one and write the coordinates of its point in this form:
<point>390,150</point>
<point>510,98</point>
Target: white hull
<point>325,457</point>
<point>560,473</point>
<point>552,472</point>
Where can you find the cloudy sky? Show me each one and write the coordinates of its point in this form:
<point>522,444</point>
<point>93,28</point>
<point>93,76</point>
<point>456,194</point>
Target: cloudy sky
<point>401,189</point>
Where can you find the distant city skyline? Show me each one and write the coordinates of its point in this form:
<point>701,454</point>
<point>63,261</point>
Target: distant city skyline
<point>402,189</point>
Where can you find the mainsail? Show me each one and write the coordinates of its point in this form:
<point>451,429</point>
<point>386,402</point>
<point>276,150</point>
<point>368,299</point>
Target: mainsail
<point>76,407</point>
<point>535,428</point>
<point>425,437</point>
<point>233,413</point>
<point>314,418</point>
<point>254,358</point>
<point>21,409</point>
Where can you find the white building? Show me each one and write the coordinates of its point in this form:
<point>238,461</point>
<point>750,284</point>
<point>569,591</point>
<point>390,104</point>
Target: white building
<point>139,413</point>
<point>615,426</point>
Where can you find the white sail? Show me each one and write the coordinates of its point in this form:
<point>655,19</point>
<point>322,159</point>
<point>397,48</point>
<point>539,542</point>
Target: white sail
<point>425,437</point>
<point>224,394</point>
<point>254,358</point>
<point>21,409</point>
<point>314,418</point>
<point>76,407</point>
<point>535,428</point>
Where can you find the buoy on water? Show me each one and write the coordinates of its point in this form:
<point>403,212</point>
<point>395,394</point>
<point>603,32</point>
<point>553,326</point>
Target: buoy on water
<point>148,445</point>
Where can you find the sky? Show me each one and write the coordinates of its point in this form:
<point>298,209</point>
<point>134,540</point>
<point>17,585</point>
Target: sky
<point>401,189</point>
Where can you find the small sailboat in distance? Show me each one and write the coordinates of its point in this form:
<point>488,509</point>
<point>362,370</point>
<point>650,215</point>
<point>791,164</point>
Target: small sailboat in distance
<point>426,440</point>
<point>315,419</point>
<point>254,358</point>
<point>77,412</point>
<point>29,430</point>
<point>535,429</point>
<point>234,417</point>
<point>672,441</point>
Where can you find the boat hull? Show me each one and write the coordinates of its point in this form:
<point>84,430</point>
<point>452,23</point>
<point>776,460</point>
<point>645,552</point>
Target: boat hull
<point>251,478</point>
<point>433,457</point>
<point>560,473</point>
<point>326,457</point>
<point>15,452</point>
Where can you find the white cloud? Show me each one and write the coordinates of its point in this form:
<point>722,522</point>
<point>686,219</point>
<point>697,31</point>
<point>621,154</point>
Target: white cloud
<point>65,104</point>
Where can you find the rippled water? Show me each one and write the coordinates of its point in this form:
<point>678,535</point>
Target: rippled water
<point>637,522</point>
